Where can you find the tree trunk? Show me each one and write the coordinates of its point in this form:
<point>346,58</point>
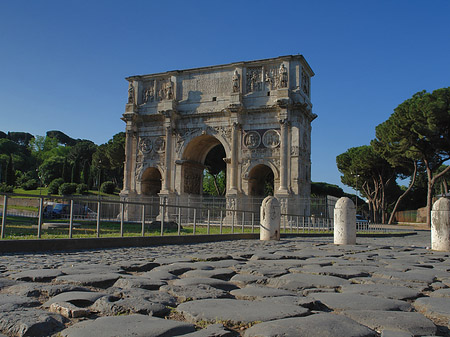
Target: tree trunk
<point>400,198</point>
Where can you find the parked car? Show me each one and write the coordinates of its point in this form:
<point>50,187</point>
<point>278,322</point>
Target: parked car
<point>60,210</point>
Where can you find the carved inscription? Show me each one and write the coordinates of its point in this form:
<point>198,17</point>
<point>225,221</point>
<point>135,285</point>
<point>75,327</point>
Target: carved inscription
<point>194,86</point>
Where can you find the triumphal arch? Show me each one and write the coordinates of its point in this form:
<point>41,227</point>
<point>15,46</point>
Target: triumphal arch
<point>257,113</point>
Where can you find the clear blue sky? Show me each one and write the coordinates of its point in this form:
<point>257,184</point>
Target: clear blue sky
<point>63,63</point>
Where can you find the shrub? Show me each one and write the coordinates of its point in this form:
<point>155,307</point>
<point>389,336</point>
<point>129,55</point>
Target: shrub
<point>53,188</point>
<point>6,188</point>
<point>31,184</point>
<point>82,189</point>
<point>108,187</point>
<point>67,189</point>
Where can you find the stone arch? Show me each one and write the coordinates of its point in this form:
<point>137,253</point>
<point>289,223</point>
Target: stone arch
<point>257,179</point>
<point>193,160</point>
<point>256,162</point>
<point>185,143</point>
<point>151,181</point>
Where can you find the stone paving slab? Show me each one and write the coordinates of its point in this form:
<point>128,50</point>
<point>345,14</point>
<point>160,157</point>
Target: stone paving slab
<point>128,326</point>
<point>437,308</point>
<point>409,322</point>
<point>380,290</point>
<point>113,306</point>
<point>196,292</point>
<point>95,280</point>
<point>79,298</point>
<point>193,281</point>
<point>318,325</point>
<point>257,292</point>
<point>302,276</point>
<point>237,311</point>
<point>129,282</point>
<point>346,301</point>
<point>37,275</point>
<point>298,282</point>
<point>30,322</point>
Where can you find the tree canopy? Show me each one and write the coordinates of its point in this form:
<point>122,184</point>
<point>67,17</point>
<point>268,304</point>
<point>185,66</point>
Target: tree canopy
<point>419,130</point>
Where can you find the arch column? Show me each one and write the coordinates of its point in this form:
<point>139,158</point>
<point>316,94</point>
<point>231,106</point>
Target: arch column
<point>284,155</point>
<point>234,158</point>
<point>167,160</point>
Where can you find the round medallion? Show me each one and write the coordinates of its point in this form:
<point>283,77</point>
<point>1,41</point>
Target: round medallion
<point>159,144</point>
<point>252,139</point>
<point>145,145</point>
<point>271,139</point>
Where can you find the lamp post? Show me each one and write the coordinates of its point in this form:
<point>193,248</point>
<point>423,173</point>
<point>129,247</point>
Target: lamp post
<point>356,192</point>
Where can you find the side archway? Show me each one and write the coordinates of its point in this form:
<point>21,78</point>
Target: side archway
<point>260,181</point>
<point>151,181</point>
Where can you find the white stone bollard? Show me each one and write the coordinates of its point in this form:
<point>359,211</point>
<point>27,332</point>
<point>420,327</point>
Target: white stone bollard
<point>344,222</point>
<point>440,225</point>
<point>270,219</point>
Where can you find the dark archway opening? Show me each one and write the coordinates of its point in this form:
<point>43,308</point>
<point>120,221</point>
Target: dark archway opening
<point>151,181</point>
<point>261,181</point>
<point>204,165</point>
<point>214,175</point>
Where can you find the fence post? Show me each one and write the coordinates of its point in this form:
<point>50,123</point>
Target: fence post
<point>41,208</point>
<point>121,218</point>
<point>179,220</point>
<point>5,210</point>
<point>243,221</point>
<point>195,220</point>
<point>98,217</point>
<point>162,217</point>
<point>221,220</point>
<point>253,222</point>
<point>232,221</point>
<point>143,220</point>
<point>71,219</point>
<point>208,222</point>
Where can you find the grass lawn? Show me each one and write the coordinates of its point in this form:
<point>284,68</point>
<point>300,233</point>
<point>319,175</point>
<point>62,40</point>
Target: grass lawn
<point>43,191</point>
<point>20,228</point>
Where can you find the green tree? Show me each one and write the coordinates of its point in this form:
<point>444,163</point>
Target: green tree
<point>419,129</point>
<point>51,169</point>
<point>366,171</point>
<point>20,138</point>
<point>115,152</point>
<point>10,174</point>
<point>80,153</point>
<point>324,189</point>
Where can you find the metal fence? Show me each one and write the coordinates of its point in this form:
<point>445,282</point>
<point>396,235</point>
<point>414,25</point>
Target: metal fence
<point>54,216</point>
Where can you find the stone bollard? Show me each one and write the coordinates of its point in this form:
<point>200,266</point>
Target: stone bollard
<point>270,219</point>
<point>344,222</point>
<point>440,225</point>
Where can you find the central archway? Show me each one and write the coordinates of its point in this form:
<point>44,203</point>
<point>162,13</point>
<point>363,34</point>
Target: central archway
<point>203,153</point>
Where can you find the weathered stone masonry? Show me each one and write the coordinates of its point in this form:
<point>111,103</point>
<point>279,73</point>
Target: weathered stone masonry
<point>259,111</point>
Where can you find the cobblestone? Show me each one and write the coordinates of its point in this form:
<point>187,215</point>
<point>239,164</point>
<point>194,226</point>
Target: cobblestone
<point>293,287</point>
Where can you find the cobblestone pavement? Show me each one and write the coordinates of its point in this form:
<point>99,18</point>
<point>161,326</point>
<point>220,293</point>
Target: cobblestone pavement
<point>391,286</point>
